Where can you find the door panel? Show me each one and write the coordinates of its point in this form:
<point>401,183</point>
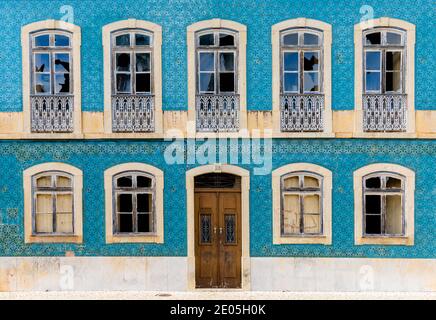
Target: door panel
<point>218,248</point>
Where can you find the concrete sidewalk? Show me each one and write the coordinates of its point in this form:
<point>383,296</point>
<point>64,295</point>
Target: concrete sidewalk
<point>217,295</point>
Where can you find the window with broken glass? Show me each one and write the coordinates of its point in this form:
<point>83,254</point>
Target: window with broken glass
<point>134,207</point>
<point>53,209</point>
<point>132,81</point>
<point>383,209</point>
<point>302,98</point>
<point>301,212</point>
<point>217,101</point>
<point>51,89</point>
<point>384,99</point>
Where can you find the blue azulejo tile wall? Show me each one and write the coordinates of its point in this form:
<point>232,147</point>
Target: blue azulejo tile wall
<point>342,157</point>
<point>176,15</point>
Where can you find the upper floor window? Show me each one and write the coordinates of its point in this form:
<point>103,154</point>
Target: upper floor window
<point>384,52</point>
<point>51,77</point>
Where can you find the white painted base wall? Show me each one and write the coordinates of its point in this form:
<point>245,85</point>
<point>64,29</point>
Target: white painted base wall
<point>171,274</point>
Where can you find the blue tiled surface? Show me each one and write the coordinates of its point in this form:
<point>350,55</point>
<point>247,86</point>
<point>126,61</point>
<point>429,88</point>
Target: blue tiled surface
<point>176,15</point>
<point>342,157</point>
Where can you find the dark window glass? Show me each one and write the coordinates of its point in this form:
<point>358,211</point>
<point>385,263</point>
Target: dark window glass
<point>62,62</point>
<point>393,183</point>
<point>125,203</point>
<point>311,61</point>
<point>291,39</point>
<point>142,40</point>
<point>207,82</point>
<point>42,41</point>
<point>393,81</point>
<point>311,39</point>
<point>143,83</point>
<point>124,182</point>
<point>393,60</point>
<point>62,41</point>
<point>142,62</point>
<point>373,38</point>
<point>143,202</point>
<point>227,61</point>
<point>373,224</point>
<point>144,224</point>
<point>125,223</point>
<point>207,40</point>
<point>123,62</point>
<point>123,83</point>
<point>227,82</point>
<point>62,83</point>
<point>373,183</point>
<point>373,204</point>
<point>226,40</point>
<point>143,182</point>
<point>122,40</point>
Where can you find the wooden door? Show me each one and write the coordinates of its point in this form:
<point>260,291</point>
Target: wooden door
<point>218,248</point>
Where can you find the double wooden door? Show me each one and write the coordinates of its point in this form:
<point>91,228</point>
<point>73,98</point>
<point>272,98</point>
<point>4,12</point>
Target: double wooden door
<point>218,248</point>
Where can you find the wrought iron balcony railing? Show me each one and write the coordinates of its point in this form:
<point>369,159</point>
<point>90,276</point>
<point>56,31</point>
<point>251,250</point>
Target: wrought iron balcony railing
<point>384,112</point>
<point>133,113</point>
<point>302,112</point>
<point>52,113</point>
<point>217,113</point>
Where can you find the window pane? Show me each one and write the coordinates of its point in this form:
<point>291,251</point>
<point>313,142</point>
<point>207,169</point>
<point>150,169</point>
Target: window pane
<point>311,39</point>
<point>311,204</point>
<point>393,38</point>
<point>373,61</point>
<point>145,223</point>
<point>291,39</point>
<point>63,182</point>
<point>292,182</point>
<point>291,82</point>
<point>42,62</point>
<point>142,40</point>
<point>42,83</point>
<point>144,202</point>
<point>394,213</point>
<point>62,62</point>
<point>227,82</point>
<point>143,62</point>
<point>393,60</point>
<point>207,82</point>
<point>44,223</point>
<point>291,214</point>
<point>312,223</point>
<point>123,62</point>
<point>373,183</point>
<point>290,61</point>
<point>226,40</point>
<point>311,61</point>
<point>373,38</point>
<point>311,82</point>
<point>227,61</point>
<point>43,182</point>
<point>393,81</point>
<point>373,204</point>
<point>42,41</point>
<point>64,203</point>
<point>125,203</point>
<point>124,182</point>
<point>123,83</point>
<point>122,40</point>
<point>207,61</point>
<point>44,203</point>
<point>64,223</point>
<point>373,224</point>
<point>373,81</point>
<point>62,83</point>
<point>144,182</point>
<point>125,223</point>
<point>393,183</point>
<point>207,40</point>
<point>143,82</point>
<point>62,41</point>
<point>311,182</point>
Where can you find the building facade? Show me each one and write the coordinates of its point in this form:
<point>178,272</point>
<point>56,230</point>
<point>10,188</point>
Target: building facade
<point>179,145</point>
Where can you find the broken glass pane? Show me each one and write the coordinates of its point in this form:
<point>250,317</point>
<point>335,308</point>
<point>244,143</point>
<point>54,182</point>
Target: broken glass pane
<point>373,183</point>
<point>42,62</point>
<point>62,83</point>
<point>373,38</point>
<point>42,83</point>
<point>62,62</point>
<point>207,40</point>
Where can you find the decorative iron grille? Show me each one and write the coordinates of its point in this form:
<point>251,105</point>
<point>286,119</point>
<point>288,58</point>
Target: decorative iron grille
<point>302,113</point>
<point>52,113</point>
<point>217,113</point>
<point>384,112</point>
<point>133,113</point>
